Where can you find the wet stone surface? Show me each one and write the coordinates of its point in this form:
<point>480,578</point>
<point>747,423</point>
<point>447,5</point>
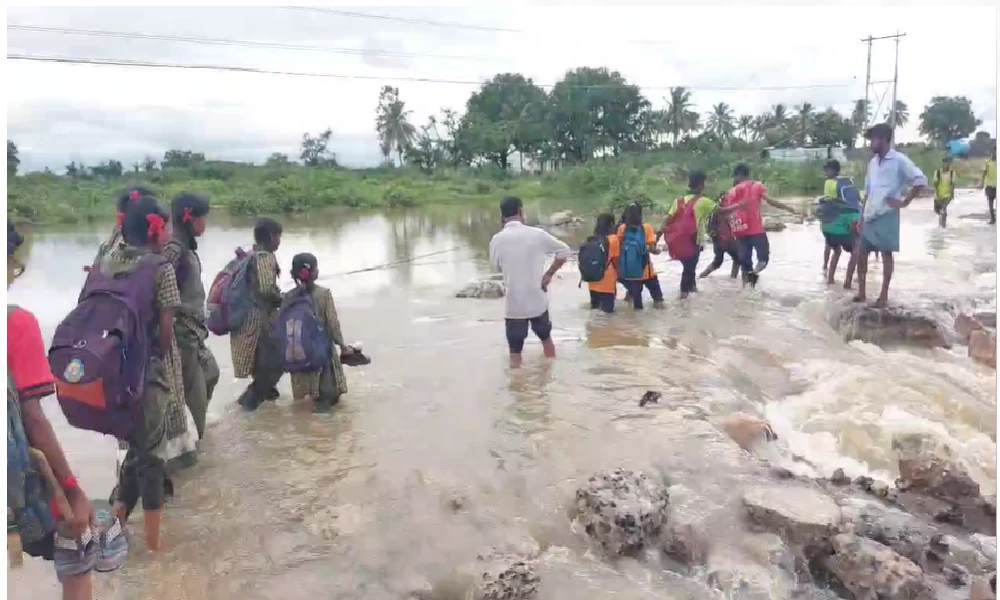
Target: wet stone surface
<point>624,511</point>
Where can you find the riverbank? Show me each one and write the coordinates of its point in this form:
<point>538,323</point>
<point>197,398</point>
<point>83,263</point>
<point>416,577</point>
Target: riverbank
<point>248,190</point>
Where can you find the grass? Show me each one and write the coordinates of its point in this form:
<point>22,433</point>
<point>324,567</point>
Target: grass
<point>652,178</point>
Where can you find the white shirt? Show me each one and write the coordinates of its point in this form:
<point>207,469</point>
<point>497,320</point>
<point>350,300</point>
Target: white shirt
<point>887,177</point>
<point>520,253</point>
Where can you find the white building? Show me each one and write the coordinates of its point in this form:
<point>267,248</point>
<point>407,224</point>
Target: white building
<point>806,154</point>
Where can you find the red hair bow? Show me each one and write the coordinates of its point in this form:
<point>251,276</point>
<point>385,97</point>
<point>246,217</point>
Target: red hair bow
<point>156,224</point>
<point>187,218</point>
<point>304,274</point>
<point>133,195</point>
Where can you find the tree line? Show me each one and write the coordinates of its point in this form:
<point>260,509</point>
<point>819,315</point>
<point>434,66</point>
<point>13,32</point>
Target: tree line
<point>590,113</point>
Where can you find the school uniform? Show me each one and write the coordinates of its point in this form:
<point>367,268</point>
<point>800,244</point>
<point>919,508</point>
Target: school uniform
<point>602,293</point>
<point>649,279</point>
<point>329,383</point>
<point>253,350</point>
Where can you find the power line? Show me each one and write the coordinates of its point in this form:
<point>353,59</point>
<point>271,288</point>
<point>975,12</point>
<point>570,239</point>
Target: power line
<point>240,43</point>
<point>360,15</point>
<point>254,70</point>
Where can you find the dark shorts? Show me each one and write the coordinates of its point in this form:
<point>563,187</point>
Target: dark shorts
<point>839,240</point>
<point>941,204</point>
<point>754,244</point>
<point>602,300</point>
<point>44,548</point>
<point>517,330</point>
<point>991,193</point>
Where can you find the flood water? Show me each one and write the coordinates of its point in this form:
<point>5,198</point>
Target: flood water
<point>440,452</point>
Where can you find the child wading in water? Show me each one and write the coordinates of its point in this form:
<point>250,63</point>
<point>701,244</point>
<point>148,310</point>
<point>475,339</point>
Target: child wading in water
<point>944,190</point>
<point>697,209</point>
<point>198,367</point>
<point>325,386</point>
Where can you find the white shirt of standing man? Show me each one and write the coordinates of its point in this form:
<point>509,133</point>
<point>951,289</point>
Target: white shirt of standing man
<point>520,253</point>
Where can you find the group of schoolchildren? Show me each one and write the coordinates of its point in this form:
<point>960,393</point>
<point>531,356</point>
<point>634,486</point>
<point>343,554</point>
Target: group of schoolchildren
<point>621,254</point>
<point>130,360</point>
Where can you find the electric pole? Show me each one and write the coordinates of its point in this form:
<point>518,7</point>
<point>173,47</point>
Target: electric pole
<point>895,84</point>
<point>868,78</point>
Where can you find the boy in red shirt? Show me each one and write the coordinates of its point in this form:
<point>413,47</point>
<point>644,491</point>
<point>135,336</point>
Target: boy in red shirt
<point>743,207</point>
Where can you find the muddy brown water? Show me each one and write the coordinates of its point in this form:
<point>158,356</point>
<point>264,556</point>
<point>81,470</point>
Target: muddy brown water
<point>440,452</point>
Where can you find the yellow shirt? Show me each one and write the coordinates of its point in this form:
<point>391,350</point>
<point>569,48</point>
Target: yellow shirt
<point>944,184</point>
<point>830,188</point>
<point>990,174</point>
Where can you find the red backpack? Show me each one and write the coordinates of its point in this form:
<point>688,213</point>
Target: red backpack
<point>680,232</point>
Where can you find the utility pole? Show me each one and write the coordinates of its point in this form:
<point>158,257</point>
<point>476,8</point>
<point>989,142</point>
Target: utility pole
<point>868,75</point>
<point>895,84</point>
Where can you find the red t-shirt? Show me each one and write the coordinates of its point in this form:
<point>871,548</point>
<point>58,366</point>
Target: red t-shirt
<point>746,221</point>
<point>27,363</point>
<point>26,359</point>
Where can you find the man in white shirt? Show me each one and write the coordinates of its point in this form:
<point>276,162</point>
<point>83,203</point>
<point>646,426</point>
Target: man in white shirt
<point>520,252</point>
<point>888,174</point>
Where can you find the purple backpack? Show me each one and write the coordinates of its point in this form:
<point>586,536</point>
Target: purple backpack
<point>100,350</point>
<point>300,335</point>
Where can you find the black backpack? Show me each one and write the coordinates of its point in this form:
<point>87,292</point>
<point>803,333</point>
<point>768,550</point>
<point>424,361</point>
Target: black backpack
<point>593,259</point>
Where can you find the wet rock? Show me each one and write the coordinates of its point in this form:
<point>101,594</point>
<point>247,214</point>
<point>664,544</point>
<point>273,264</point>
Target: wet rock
<point>839,478</point>
<point>904,533</point>
<point>869,570</point>
<point>891,326</point>
<point>748,431</point>
<point>508,578</point>
<point>736,577</point>
<point>650,396</point>
<point>988,319</point>
<point>983,348</point>
<point>931,468</point>
<point>800,515</point>
<point>684,537</point>
<point>563,218</point>
<point>622,510</point>
<point>986,545</point>
<point>964,326</point>
<point>983,588</point>
<point>482,289</point>
<point>773,225</point>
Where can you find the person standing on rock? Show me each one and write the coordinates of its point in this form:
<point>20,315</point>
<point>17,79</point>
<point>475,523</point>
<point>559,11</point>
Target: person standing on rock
<point>520,252</point>
<point>888,174</point>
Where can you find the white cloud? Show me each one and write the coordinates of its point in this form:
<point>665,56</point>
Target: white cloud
<point>57,113</point>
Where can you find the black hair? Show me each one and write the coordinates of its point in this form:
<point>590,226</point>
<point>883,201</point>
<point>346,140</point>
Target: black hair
<point>135,227</point>
<point>194,206</point>
<point>881,131</point>
<point>741,170</point>
<point>633,215</point>
<point>304,267</point>
<point>510,206</point>
<point>265,230</point>
<point>605,224</point>
<point>14,239</point>
<point>132,193</point>
<point>696,180</point>
<point>833,165</point>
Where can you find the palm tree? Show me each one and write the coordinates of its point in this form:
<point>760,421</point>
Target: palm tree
<point>859,117</point>
<point>779,115</point>
<point>393,125</point>
<point>759,126</point>
<point>720,121</point>
<point>745,126</point>
<point>680,118</point>
<point>805,120</point>
<point>902,114</point>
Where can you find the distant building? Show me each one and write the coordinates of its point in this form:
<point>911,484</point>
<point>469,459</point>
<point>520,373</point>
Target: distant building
<point>804,154</point>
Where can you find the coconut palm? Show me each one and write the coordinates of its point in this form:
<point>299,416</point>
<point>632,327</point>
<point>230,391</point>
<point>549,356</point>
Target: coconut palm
<point>760,125</point>
<point>680,118</point>
<point>902,114</point>
<point>720,121</point>
<point>745,126</point>
<point>804,121</point>
<point>392,123</point>
<point>779,115</point>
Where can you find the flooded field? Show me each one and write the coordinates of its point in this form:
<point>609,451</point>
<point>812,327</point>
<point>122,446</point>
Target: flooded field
<point>440,452</point>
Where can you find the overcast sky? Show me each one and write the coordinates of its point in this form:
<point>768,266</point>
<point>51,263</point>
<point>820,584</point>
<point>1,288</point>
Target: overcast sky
<point>58,112</point>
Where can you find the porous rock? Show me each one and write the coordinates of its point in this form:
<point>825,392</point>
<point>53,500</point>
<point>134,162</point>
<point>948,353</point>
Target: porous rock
<point>624,511</point>
<point>931,468</point>
<point>887,327</point>
<point>482,289</point>
<point>508,578</point>
<point>869,570</point>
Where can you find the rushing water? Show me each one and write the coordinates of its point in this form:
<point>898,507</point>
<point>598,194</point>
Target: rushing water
<point>441,452</point>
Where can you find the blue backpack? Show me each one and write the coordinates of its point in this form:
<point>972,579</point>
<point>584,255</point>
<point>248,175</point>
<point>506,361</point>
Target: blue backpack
<point>300,335</point>
<point>27,497</point>
<point>634,254</point>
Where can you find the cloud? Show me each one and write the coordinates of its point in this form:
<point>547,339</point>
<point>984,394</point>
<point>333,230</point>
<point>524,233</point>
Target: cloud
<point>58,113</point>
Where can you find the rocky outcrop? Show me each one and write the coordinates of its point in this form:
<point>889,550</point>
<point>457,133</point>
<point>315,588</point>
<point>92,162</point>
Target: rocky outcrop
<point>869,570</point>
<point>482,289</point>
<point>931,468</point>
<point>965,325</point>
<point>508,578</point>
<point>772,225</point>
<point>987,319</point>
<point>983,348</point>
<point>748,431</point>
<point>563,218</point>
<point>891,326</point>
<point>803,516</point>
<point>622,510</point>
